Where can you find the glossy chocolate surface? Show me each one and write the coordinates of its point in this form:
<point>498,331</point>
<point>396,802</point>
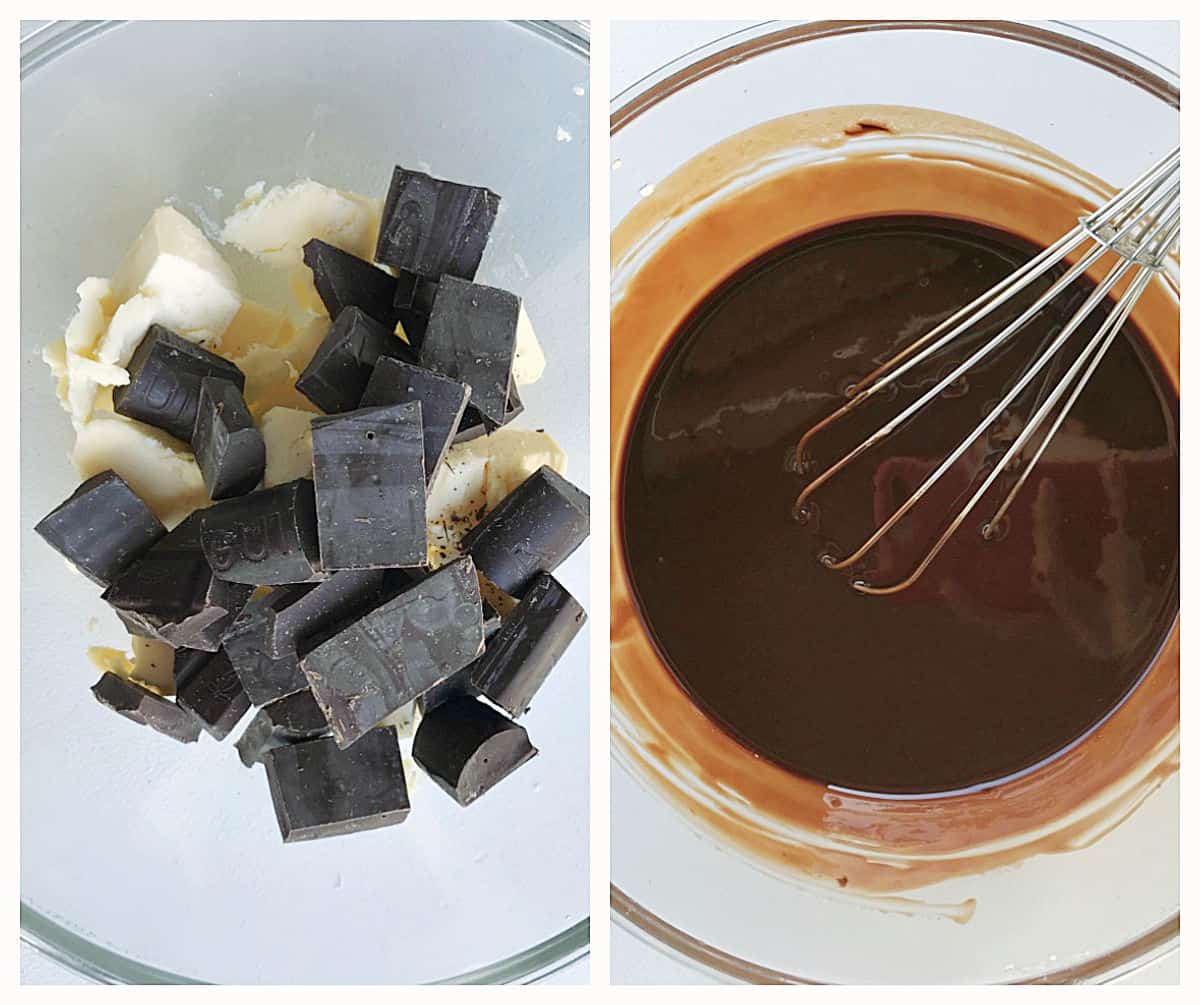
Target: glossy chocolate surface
<point>1006,651</point>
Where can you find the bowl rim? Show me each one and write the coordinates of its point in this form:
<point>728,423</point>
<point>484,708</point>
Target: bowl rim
<point>39,48</point>
<point>1057,36</point>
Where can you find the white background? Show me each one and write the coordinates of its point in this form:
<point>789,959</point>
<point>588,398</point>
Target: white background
<point>637,49</point>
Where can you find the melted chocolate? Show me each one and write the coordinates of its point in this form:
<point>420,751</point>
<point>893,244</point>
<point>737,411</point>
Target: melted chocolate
<point>1006,651</point>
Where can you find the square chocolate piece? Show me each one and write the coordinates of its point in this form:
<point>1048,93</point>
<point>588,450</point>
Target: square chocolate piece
<point>322,791</point>
<point>101,528</point>
<point>369,473</point>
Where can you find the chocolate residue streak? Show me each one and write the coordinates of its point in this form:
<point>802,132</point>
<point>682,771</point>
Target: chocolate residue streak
<point>719,212</point>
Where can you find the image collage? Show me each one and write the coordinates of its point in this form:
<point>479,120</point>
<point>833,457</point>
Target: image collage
<point>600,503</point>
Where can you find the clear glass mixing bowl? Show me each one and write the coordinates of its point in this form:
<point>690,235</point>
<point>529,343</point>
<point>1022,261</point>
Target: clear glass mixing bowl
<point>144,861</point>
<point>1092,914</point>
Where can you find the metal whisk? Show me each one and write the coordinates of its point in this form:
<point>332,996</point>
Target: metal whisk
<point>1140,225</point>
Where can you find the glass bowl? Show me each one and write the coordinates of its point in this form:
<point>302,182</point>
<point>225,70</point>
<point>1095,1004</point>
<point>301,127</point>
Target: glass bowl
<point>679,880</point>
<point>147,862</point>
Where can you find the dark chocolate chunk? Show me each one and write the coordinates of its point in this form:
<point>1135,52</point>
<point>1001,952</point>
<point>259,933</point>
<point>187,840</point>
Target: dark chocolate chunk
<point>229,448</point>
<point>397,651</point>
<point>472,425</point>
<point>265,677</point>
<point>413,303</point>
<point>520,656</point>
<point>433,227</point>
<point>414,292</point>
<point>443,402</point>
<point>146,708</point>
<point>101,527</point>
<point>369,473</point>
<point>307,611</point>
<point>535,527</point>
<point>266,538</point>
<point>164,381</point>
<point>345,280</point>
<point>321,791</point>
<point>455,686</point>
<point>339,371</point>
<point>467,747</point>
<point>207,686</point>
<point>472,337</point>
<point>287,720</point>
<point>170,592</point>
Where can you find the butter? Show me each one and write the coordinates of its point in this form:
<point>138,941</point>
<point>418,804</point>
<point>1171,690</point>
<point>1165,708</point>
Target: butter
<point>79,375</point>
<point>152,463</point>
<point>274,225</point>
<point>174,277</point>
<point>475,476</point>
<point>529,362</point>
<point>152,663</point>
<point>288,435</point>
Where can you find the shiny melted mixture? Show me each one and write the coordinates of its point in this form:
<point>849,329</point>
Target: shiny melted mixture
<point>1006,651</point>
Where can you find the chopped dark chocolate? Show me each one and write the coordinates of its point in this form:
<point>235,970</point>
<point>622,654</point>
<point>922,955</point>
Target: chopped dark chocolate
<point>164,381</point>
<point>443,402</point>
<point>101,527</point>
<point>397,651</point>
<point>467,747</point>
<point>229,449</point>
<point>170,592</point>
<point>472,337</point>
<point>339,371</point>
<point>287,720</point>
<point>520,656</point>
<point>146,708</point>
<point>414,302</point>
<point>307,611</point>
<point>434,227</point>
<point>369,473</point>
<point>322,791</point>
<point>207,686</point>
<point>472,426</point>
<point>265,677</point>
<point>415,292</point>
<point>533,529</point>
<point>455,686</point>
<point>345,280</point>
<point>266,538</point>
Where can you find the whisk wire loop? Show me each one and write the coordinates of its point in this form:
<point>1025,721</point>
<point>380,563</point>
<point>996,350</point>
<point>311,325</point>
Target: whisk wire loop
<point>1140,225</point>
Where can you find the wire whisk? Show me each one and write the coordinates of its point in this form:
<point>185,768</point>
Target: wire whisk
<point>1141,225</point>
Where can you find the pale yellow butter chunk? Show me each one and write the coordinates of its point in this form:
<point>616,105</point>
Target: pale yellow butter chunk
<point>288,435</point>
<point>152,663</point>
<point>272,366</point>
<point>475,476</point>
<point>78,374</point>
<point>275,224</point>
<point>174,277</point>
<point>529,362</point>
<point>151,462</point>
<point>253,325</point>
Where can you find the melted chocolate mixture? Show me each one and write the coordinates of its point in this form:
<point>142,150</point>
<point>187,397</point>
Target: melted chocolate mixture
<point>1006,651</point>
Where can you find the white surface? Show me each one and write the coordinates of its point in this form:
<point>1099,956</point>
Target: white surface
<point>638,48</point>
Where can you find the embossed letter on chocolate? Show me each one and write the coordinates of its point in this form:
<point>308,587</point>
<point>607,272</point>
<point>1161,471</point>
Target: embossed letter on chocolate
<point>433,227</point>
<point>164,381</point>
<point>397,651</point>
<point>266,538</point>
